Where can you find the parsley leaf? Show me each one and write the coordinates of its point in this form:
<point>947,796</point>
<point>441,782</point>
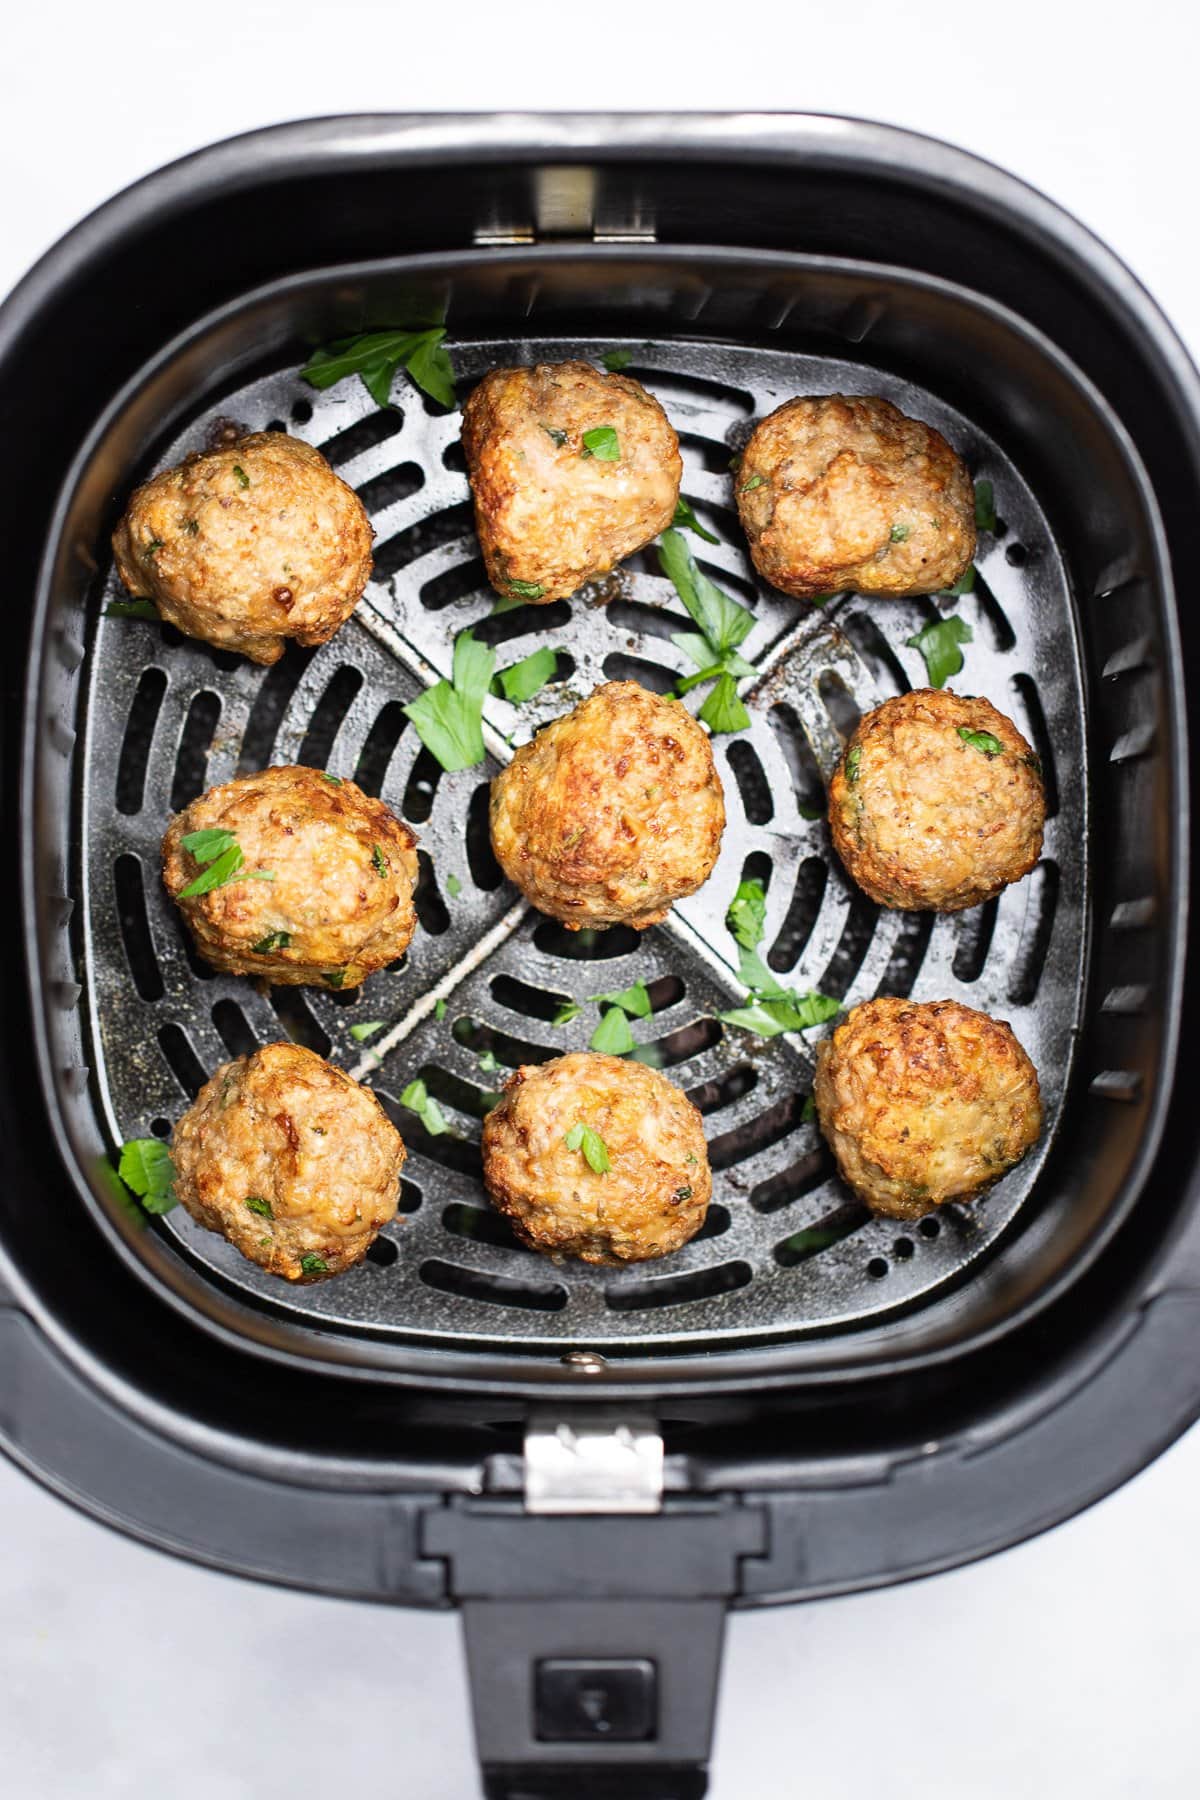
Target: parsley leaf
<point>687,520</point>
<point>523,590</point>
<point>853,759</point>
<point>981,740</point>
<point>333,780</point>
<point>614,360</point>
<point>602,443</point>
<point>725,623</point>
<point>449,715</point>
<point>796,1012</point>
<point>522,680</point>
<point>257,1204</point>
<point>808,1111</point>
<point>723,710</point>
<point>747,914</point>
<point>379,861</point>
<point>453,886</point>
<point>417,1098</point>
<point>939,643</point>
<point>612,1035</point>
<point>558,437</point>
<point>698,650</point>
<point>439,1011</point>
<point>274,940</point>
<point>488,1064</point>
<point>376,356</point>
<point>147,1171</point>
<point>593,1147</point>
<point>985,506</point>
<point>240,476</point>
<point>755,481</point>
<point>368,1029</point>
<point>634,1001</point>
<point>570,1009</point>
<point>312,1264</point>
<point>334,978</point>
<point>132,609</point>
<point>900,534</point>
<point>221,860</point>
<point>964,585</point>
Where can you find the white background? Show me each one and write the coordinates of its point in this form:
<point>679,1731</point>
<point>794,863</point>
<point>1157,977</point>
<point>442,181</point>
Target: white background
<point>1068,1667</point>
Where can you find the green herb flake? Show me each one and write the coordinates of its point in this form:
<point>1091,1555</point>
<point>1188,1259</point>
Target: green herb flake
<point>615,360</point>
<point>191,526</point>
<point>240,476</point>
<point>256,1204</point>
<point>153,547</point>
<point>602,443</point>
<point>755,481</point>
<point>488,1064</point>
<point>379,861</point>
<point>525,590</point>
<point>612,1035</point>
<point>853,762</point>
<point>723,710</point>
<point>334,978</point>
<point>147,1171</point>
<point>376,357</point>
<point>985,506</point>
<point>686,519</point>
<point>221,860</point>
<point>635,1001</point>
<point>417,1098</point>
<point>453,886</point>
<point>132,609</point>
<point>368,1029</point>
<point>591,1145</point>
<point>680,1194</point>
<point>964,585</point>
<point>522,680</point>
<point>333,780</point>
<point>939,643</point>
<point>556,436</point>
<point>981,740</point>
<point>570,1009</point>
<point>1035,763</point>
<point>312,1264</point>
<point>767,1018</point>
<point>900,534</point>
<point>274,940</point>
<point>747,913</point>
<point>439,1011</point>
<point>449,715</point>
<point>808,1111</point>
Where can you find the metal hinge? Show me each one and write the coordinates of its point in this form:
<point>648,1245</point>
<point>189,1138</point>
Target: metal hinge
<point>595,1463</point>
<point>569,203</point>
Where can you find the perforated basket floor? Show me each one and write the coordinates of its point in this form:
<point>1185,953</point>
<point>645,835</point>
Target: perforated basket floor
<point>785,1250</point>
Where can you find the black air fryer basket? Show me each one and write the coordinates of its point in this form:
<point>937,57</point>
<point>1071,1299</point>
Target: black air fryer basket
<point>592,1463</point>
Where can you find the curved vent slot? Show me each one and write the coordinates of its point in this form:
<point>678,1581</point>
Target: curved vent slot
<point>794,1182</point>
<point>725,1090</point>
<point>752,782</point>
<point>234,1028</point>
<point>191,764</point>
<point>1030,960</point>
<point>292,1011</point>
<point>759,1133</point>
<point>393,485</point>
<point>135,927</point>
<point>493,1290</point>
<point>485,870</point>
<point>822,1236</point>
<point>181,1059</point>
<point>377,428</point>
<point>137,740</point>
<point>450,526</point>
<point>587,945</point>
<point>331,710</point>
<point>379,747</point>
<point>678,1290</point>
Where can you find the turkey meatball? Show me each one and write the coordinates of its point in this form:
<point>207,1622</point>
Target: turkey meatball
<point>292,1161</point>
<point>937,802</point>
<point>613,812</point>
<point>313,878</point>
<point>593,1157</point>
<point>248,545</point>
<point>924,1102</point>
<point>838,492</point>
<point>571,470</point>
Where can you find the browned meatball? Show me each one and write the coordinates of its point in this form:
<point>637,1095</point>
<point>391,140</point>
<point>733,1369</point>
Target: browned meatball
<point>613,812</point>
<point>937,802</point>
<point>551,1180</point>
<point>292,1161</point>
<point>924,1102</point>
<point>322,894</point>
<point>839,492</point>
<point>571,471</point>
<point>248,546</point>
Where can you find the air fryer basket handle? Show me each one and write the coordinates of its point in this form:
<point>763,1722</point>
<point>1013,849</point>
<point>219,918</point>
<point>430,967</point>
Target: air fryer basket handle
<point>594,1642</point>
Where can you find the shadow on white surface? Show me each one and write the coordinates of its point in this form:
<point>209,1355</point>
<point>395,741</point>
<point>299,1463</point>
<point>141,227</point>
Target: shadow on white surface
<point>1067,1667</point>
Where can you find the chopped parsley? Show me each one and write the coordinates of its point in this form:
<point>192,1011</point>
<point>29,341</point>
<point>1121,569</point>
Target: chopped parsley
<point>601,442</point>
<point>449,715</point>
<point>964,585</point>
<point>147,1171</point>
<point>257,1204</point>
<point>274,940</point>
<point>755,481</point>
<point>612,1035</point>
<point>939,643</point>
<point>220,857</point>
<point>723,710</point>
<point>377,356</point>
<point>808,1111</point>
<point>614,360</point>
<point>439,1011</point>
<point>985,506</point>
<point>333,780</point>
<point>592,1147</point>
<point>724,624</point>
<point>154,546</point>
<point>570,1009</point>
<point>681,1193</point>
<point>747,913</point>
<point>981,740</point>
<point>768,1017</point>
<point>417,1098</point>
<point>368,1029</point>
<point>853,760</point>
<point>900,534</point>
<point>634,1001</point>
<point>379,861</point>
<point>686,519</point>
<point>525,590</point>
<point>312,1264</point>
<point>191,526</point>
<point>557,437</point>
<point>132,609</point>
<point>522,680</point>
<point>334,978</point>
<point>488,1064</point>
<point>240,476</point>
<point>453,886</point>
<point>773,1008</point>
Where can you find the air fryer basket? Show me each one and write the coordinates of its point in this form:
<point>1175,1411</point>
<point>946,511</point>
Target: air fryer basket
<point>841,1400</point>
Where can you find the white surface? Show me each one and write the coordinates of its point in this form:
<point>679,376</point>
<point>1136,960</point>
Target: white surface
<point>1067,1667</point>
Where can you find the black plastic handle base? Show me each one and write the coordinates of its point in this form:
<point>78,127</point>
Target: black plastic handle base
<point>623,1781</point>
